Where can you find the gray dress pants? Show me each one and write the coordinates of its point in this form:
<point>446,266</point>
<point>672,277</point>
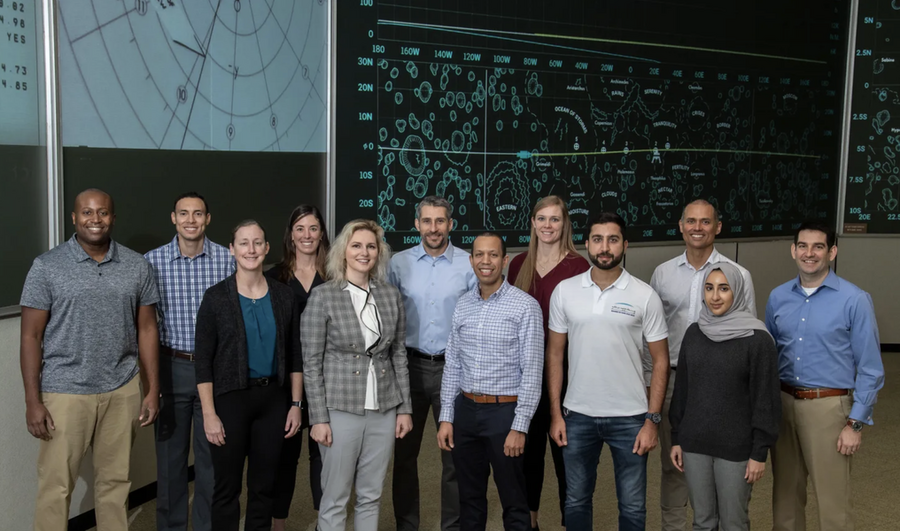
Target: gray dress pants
<point>361,449</point>
<point>719,494</point>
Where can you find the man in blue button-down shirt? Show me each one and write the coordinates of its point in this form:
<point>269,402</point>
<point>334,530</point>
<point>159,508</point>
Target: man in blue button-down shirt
<point>829,362</point>
<point>491,388</point>
<point>431,277</point>
<point>184,268</point>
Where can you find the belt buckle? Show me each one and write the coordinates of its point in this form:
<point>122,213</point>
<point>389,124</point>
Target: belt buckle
<point>478,394</point>
<point>264,382</point>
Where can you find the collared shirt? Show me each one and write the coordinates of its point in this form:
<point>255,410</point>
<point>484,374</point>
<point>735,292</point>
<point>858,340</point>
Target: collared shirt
<point>606,329</point>
<point>828,339</point>
<point>370,325</point>
<point>182,283</point>
<point>90,342</point>
<point>430,287</point>
<point>680,287</point>
<point>495,348</point>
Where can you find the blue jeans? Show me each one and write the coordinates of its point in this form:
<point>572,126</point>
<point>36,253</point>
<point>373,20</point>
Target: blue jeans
<point>586,436</point>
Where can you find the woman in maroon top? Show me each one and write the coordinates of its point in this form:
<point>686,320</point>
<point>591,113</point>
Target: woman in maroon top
<point>550,259</point>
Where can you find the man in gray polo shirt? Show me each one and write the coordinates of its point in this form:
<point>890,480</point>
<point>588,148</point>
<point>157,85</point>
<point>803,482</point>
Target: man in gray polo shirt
<point>88,313</point>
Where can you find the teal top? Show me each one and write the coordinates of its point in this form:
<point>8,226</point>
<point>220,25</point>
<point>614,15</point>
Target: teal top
<point>259,322</point>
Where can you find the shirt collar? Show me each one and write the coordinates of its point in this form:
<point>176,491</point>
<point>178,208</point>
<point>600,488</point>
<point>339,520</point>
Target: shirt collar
<point>831,281</point>
<point>175,250</point>
<point>622,282</point>
<point>714,258</point>
<point>447,254</point>
<point>80,255</point>
<point>504,287</point>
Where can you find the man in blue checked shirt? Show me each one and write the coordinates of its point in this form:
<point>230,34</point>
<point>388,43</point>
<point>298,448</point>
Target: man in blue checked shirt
<point>431,277</point>
<point>184,269</point>
<point>829,362</point>
<point>491,388</point>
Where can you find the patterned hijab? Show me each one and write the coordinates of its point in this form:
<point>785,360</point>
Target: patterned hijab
<point>738,321</point>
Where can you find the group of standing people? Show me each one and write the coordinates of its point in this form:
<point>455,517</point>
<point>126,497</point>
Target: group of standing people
<point>358,346</point>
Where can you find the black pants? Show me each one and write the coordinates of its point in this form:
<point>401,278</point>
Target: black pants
<point>287,474</point>
<point>535,450</point>
<point>253,420</point>
<point>479,433</point>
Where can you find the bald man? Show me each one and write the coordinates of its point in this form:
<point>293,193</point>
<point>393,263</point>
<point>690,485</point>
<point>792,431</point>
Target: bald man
<point>88,318</point>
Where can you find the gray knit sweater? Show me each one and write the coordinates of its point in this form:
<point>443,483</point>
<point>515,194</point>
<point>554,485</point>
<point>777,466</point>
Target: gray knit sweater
<point>727,401</point>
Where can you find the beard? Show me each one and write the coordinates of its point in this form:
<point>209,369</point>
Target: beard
<point>616,260</point>
<point>426,243</point>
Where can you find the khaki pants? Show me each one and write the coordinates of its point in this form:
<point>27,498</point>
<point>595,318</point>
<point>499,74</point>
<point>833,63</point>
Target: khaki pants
<point>673,489</point>
<point>807,447</point>
<point>107,422</point>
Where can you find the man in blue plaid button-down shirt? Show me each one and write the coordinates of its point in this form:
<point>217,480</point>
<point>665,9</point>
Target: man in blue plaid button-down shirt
<point>184,268</point>
<point>491,388</point>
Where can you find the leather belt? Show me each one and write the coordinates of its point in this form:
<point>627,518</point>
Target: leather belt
<point>176,353</point>
<point>805,393</point>
<point>260,382</point>
<point>424,355</point>
<point>479,398</point>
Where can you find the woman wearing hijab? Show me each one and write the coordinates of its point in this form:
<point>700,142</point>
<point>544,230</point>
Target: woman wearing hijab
<point>726,406</point>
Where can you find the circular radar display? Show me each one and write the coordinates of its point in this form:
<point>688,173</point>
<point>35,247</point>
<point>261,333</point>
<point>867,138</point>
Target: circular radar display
<point>235,75</point>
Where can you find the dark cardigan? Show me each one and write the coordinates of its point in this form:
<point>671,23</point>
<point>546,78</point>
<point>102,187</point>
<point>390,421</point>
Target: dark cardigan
<point>220,352</point>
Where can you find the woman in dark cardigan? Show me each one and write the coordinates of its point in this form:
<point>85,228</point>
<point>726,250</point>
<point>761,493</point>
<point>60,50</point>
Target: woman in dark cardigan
<point>726,406</point>
<point>247,358</point>
<point>302,268</point>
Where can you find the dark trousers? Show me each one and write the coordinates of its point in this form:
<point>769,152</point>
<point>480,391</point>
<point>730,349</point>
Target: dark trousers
<point>253,420</point>
<point>535,450</point>
<point>179,409</point>
<point>425,391</point>
<point>287,474</point>
<point>479,433</point>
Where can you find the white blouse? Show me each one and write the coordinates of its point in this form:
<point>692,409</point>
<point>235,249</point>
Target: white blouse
<point>370,324</point>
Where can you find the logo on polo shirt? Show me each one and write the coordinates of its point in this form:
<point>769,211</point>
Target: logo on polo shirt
<point>623,308</point>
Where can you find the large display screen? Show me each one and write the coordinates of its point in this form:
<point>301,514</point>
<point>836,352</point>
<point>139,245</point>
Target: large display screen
<point>636,107</point>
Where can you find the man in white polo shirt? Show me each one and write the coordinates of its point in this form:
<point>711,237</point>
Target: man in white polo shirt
<point>605,314</point>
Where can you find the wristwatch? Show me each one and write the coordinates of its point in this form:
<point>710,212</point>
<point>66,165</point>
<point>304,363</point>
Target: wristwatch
<point>297,403</point>
<point>855,425</point>
<point>655,418</point>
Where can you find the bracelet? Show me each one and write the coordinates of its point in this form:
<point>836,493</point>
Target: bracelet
<point>298,403</point>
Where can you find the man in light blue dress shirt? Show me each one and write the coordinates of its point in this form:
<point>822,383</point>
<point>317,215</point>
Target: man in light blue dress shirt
<point>829,363</point>
<point>431,277</point>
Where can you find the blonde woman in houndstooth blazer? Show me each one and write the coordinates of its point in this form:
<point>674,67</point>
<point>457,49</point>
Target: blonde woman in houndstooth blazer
<point>357,382</point>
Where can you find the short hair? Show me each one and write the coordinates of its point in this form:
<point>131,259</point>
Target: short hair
<point>336,263</point>
<point>190,195</point>
<point>247,223</point>
<point>602,219</point>
<point>830,235</point>
<point>492,234</point>
<point>716,217</point>
<point>434,201</point>
<point>112,203</point>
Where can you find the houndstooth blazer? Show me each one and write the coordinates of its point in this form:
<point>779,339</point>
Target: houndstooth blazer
<point>335,363</point>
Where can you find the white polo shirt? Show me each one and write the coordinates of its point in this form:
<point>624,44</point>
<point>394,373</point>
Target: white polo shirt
<point>606,329</point>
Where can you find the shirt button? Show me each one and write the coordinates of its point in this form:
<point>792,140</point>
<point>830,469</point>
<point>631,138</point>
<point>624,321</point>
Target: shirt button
<point>798,359</point>
<point>357,356</point>
<point>803,319</point>
<point>798,377</point>
<point>801,339</point>
<point>356,373</point>
<point>807,300</point>
<point>432,303</point>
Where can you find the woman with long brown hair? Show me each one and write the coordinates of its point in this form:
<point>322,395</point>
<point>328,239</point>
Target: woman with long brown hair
<point>302,267</point>
<point>550,259</point>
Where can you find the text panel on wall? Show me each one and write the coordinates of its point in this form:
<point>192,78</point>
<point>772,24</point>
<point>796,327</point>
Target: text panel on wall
<point>636,107</point>
<point>23,174</point>
<point>872,186</point>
